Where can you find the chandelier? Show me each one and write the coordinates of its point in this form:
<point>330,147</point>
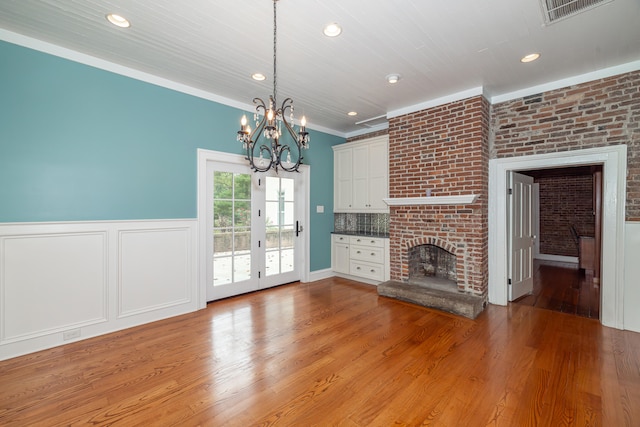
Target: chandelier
<point>270,121</point>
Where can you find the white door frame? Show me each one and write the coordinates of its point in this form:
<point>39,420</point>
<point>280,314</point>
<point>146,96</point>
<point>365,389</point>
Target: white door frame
<point>205,156</point>
<point>614,159</point>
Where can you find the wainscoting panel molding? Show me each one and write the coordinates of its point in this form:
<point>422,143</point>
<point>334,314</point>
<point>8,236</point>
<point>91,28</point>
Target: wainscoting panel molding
<point>632,276</point>
<point>66,281</point>
<point>41,273</point>
<point>154,269</point>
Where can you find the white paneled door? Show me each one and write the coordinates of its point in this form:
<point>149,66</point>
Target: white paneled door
<point>254,229</point>
<point>521,236</point>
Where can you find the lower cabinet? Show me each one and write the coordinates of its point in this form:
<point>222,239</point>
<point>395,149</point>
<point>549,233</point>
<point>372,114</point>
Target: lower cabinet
<point>361,257</point>
<point>340,254</point>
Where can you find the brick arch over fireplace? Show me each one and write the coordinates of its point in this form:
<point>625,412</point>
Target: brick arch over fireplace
<point>431,241</point>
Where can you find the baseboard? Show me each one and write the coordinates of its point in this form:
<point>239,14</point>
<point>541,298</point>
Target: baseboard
<point>320,274</point>
<point>557,258</point>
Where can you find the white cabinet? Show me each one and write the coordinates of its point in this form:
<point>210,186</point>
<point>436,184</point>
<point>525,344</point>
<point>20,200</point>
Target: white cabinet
<point>343,180</point>
<point>340,254</point>
<point>361,176</point>
<point>360,257</point>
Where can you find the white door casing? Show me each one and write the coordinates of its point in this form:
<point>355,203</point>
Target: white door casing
<point>614,161</point>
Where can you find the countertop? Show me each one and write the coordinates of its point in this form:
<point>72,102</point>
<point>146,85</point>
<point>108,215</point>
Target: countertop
<point>362,233</point>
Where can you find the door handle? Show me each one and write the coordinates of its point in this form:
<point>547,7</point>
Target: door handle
<point>299,229</point>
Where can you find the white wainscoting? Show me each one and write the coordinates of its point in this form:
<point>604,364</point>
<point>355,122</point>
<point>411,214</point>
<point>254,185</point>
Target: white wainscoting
<point>65,281</point>
<point>632,276</point>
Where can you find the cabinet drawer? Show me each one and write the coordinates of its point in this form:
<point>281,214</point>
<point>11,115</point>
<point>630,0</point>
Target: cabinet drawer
<point>340,238</point>
<point>367,270</point>
<point>367,241</point>
<point>366,253</point>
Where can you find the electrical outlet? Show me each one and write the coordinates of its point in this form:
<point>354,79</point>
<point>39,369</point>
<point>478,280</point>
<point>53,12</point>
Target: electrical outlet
<point>69,335</point>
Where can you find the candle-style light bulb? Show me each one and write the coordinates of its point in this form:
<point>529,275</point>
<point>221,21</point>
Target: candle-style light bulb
<point>303,122</point>
<point>270,114</point>
<point>243,122</point>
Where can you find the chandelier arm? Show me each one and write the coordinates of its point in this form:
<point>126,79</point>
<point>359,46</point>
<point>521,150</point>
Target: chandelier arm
<point>261,109</point>
<point>294,166</point>
<point>269,160</point>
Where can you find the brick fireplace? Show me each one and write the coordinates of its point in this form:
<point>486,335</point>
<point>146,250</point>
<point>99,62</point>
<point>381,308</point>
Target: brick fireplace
<point>442,151</point>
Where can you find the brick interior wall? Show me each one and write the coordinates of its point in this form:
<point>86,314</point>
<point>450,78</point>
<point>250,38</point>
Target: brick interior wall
<point>444,149</point>
<point>598,113</point>
<point>565,201</point>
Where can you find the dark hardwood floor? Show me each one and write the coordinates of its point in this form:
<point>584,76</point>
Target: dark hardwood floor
<point>564,288</point>
<point>334,353</point>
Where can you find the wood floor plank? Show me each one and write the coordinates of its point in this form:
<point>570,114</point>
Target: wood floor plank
<point>334,353</point>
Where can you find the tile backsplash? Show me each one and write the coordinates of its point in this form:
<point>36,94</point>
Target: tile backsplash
<point>365,223</point>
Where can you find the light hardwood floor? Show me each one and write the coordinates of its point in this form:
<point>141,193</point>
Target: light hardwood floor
<point>334,353</point>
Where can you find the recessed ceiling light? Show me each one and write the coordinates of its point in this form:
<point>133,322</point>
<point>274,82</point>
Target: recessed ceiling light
<point>352,113</point>
<point>530,58</point>
<point>393,78</point>
<point>332,30</point>
<point>118,20</point>
<point>259,77</point>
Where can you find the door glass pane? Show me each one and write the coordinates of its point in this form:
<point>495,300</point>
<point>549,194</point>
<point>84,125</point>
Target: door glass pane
<point>286,260</point>
<point>231,227</point>
<point>280,225</point>
<point>286,188</point>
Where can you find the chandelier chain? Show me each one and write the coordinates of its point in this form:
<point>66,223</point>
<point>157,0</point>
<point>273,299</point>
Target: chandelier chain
<point>275,28</point>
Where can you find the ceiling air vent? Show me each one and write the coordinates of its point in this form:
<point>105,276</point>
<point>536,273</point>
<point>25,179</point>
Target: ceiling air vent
<point>557,10</point>
<point>373,121</point>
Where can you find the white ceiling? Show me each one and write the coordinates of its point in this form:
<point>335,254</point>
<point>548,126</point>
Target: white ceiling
<point>440,47</point>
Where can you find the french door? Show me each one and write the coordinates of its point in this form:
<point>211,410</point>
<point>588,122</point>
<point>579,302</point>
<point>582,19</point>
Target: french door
<point>254,229</point>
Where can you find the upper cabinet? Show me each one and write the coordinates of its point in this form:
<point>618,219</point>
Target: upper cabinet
<point>361,175</point>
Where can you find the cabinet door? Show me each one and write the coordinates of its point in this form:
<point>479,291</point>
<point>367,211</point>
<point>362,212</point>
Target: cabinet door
<point>340,257</point>
<point>378,180</point>
<point>361,178</point>
<point>342,189</point>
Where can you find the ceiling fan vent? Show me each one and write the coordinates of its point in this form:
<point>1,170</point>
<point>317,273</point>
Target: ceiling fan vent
<point>557,10</point>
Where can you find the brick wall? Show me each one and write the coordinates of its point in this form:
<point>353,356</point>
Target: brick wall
<point>598,113</point>
<point>444,149</point>
<point>565,201</point>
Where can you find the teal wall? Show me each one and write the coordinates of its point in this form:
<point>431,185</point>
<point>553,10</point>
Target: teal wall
<point>79,143</point>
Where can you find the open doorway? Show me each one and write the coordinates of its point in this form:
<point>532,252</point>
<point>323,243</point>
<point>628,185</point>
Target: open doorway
<point>614,161</point>
<point>566,226</point>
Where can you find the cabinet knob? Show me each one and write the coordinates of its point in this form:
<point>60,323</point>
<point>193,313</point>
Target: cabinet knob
<point>373,254</point>
<point>372,270</point>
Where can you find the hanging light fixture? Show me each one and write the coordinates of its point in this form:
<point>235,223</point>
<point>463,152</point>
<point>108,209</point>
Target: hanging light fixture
<point>269,122</point>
